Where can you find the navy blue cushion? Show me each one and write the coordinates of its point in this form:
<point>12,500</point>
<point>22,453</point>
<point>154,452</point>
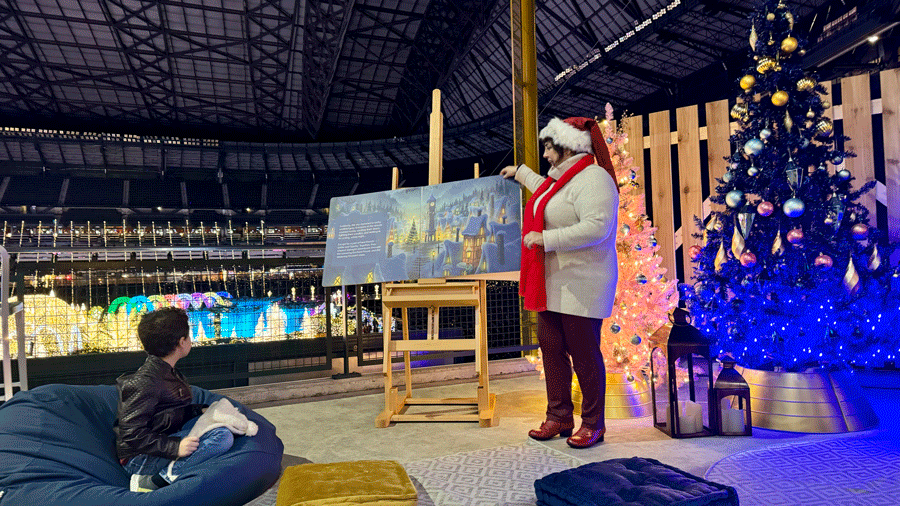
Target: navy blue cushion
<point>630,482</point>
<point>57,447</point>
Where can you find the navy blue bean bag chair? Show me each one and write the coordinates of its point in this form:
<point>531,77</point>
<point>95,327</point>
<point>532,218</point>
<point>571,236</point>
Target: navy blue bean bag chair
<point>57,447</point>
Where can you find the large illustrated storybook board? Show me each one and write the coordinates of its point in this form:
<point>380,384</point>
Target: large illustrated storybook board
<point>438,231</point>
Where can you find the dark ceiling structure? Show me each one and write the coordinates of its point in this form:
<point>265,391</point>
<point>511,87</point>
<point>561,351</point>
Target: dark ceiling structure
<point>242,96</point>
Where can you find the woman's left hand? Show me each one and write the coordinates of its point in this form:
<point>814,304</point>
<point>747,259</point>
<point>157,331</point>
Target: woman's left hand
<point>532,239</point>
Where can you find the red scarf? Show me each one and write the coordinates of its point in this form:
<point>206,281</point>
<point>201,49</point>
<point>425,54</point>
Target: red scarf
<point>532,284</point>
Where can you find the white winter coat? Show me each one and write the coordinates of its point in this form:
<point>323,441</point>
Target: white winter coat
<point>580,222</point>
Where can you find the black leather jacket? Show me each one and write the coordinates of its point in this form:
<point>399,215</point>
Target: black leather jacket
<point>154,401</point>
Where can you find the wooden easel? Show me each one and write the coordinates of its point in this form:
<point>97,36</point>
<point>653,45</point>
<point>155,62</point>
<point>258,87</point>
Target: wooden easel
<point>435,294</point>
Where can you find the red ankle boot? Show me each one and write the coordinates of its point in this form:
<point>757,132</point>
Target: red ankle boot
<point>550,429</point>
<point>585,437</point>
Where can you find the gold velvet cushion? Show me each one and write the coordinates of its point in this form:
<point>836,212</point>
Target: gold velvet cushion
<point>365,482</point>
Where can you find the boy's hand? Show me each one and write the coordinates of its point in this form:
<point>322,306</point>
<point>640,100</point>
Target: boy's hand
<point>188,446</point>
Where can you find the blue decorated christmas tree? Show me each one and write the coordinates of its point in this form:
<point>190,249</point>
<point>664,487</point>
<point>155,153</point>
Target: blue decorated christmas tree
<point>791,274</point>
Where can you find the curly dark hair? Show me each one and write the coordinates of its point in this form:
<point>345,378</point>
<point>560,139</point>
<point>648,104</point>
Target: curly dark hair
<point>160,330</point>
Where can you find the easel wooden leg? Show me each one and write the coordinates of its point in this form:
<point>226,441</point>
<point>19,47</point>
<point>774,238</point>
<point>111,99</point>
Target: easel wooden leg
<point>486,400</point>
<point>407,366</point>
<point>384,419</point>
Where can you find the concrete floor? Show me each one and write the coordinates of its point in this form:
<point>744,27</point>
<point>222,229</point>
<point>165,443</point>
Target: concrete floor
<point>343,428</point>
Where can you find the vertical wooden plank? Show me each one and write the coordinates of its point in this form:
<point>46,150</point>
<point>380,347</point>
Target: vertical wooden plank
<point>829,111</point>
<point>856,106</point>
<point>634,128</point>
<point>718,130</point>
<point>890,119</point>
<point>689,179</point>
<point>436,140</point>
<point>661,176</point>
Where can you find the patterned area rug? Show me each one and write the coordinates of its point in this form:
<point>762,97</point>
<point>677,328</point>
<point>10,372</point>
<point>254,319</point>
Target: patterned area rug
<point>846,471</point>
<point>502,476</point>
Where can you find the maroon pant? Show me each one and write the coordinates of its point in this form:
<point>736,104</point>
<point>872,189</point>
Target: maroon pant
<point>561,336</point>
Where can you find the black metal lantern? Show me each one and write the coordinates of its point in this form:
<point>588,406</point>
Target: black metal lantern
<point>682,419</point>
<point>731,387</point>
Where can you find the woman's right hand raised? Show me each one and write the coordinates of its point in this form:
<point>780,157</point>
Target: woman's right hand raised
<point>509,171</point>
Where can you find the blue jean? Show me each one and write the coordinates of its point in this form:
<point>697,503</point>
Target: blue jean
<point>212,444</point>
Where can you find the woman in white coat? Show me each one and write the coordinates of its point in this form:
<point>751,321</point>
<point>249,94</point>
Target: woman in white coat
<point>569,270</point>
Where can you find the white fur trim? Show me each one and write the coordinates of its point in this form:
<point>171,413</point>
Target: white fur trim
<point>565,135</point>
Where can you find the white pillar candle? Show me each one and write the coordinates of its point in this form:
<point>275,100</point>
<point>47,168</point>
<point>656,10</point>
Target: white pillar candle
<point>732,420</point>
<point>691,417</point>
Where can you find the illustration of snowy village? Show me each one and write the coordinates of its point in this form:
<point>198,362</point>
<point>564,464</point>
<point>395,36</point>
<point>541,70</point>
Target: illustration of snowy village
<point>438,231</point>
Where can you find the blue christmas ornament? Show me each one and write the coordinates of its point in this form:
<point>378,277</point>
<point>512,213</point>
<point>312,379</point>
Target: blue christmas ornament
<point>765,133</point>
<point>615,328</point>
<point>609,140</point>
<point>793,207</point>
<point>734,198</point>
<point>753,147</point>
<point>635,339</point>
<point>727,177</point>
<point>752,171</point>
<point>641,279</point>
<point>843,174</point>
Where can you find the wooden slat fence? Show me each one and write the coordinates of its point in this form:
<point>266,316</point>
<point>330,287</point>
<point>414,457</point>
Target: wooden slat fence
<point>854,109</point>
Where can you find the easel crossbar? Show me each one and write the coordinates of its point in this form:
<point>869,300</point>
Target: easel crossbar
<point>435,345</point>
<point>462,401</point>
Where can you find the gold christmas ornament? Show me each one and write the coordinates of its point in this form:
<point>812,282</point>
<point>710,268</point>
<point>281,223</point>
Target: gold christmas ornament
<point>753,38</point>
<point>777,246</point>
<point>721,257</point>
<point>780,97</point>
<point>713,223</point>
<point>738,246</point>
<point>801,52</point>
<point>765,64</point>
<point>788,121</point>
<point>739,111</point>
<point>810,113</point>
<point>874,259</point>
<point>789,44</point>
<point>851,277</point>
<point>825,127</point>
<point>747,82</point>
<point>770,17</point>
<point>805,84</point>
<point>790,19</point>
<point>826,104</point>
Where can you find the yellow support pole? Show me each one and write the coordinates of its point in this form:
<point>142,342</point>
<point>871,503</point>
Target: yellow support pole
<point>525,127</point>
<point>524,83</point>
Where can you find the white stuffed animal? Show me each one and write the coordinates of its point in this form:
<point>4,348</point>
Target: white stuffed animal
<point>222,413</point>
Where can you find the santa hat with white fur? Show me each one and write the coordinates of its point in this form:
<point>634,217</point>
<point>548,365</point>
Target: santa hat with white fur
<point>581,135</point>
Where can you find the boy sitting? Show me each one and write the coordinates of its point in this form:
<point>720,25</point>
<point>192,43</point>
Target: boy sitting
<point>155,405</point>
